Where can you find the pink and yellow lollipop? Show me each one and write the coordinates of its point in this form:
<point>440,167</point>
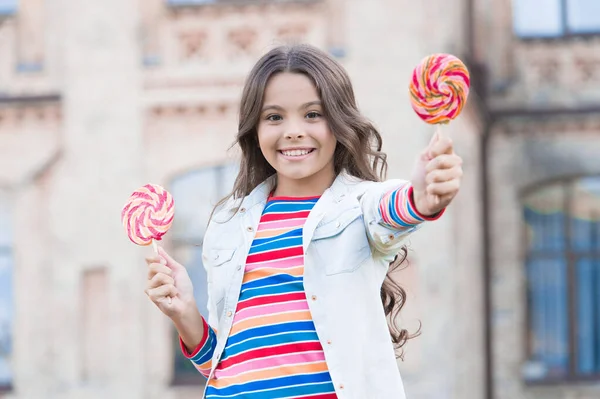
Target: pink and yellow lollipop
<point>439,88</point>
<point>148,214</point>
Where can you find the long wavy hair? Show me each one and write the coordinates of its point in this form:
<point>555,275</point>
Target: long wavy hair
<point>358,148</point>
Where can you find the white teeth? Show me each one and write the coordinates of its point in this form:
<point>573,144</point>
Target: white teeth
<point>295,153</point>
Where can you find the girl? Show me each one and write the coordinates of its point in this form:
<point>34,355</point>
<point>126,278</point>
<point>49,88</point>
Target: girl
<point>297,256</point>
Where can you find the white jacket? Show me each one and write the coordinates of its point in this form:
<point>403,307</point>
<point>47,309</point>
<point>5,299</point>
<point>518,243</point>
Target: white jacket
<point>347,253</point>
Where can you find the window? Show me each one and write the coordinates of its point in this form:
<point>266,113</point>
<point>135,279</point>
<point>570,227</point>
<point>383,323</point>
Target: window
<point>555,18</point>
<point>195,194</point>
<point>8,7</point>
<point>562,222</point>
<point>6,294</point>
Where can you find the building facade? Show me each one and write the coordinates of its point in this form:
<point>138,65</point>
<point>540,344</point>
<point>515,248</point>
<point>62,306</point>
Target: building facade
<point>98,98</point>
<point>542,154</point>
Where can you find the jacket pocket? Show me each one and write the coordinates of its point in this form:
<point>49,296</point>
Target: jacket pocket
<point>340,242</point>
<point>220,263</point>
<point>218,257</point>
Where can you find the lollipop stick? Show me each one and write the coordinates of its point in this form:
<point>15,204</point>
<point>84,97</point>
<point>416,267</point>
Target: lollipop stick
<point>155,247</point>
<point>438,133</point>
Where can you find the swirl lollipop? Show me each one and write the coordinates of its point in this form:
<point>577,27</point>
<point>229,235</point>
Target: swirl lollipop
<point>148,215</point>
<point>439,88</point>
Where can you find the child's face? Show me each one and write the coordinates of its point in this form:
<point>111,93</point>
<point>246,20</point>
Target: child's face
<point>293,133</point>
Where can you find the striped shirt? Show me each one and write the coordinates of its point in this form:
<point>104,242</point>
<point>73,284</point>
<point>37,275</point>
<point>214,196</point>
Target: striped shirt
<point>273,350</point>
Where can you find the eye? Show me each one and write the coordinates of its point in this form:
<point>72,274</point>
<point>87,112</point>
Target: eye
<point>313,115</point>
<point>274,118</point>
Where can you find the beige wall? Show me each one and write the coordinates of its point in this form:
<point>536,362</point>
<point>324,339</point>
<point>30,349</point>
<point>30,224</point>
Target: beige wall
<point>149,93</point>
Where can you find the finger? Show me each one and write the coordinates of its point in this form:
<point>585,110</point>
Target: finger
<point>156,268</point>
<point>170,262</point>
<point>154,259</point>
<point>442,175</point>
<point>443,145</point>
<point>426,154</point>
<point>434,138</point>
<point>446,199</point>
<point>446,188</point>
<point>443,161</point>
<point>161,293</point>
<point>160,279</point>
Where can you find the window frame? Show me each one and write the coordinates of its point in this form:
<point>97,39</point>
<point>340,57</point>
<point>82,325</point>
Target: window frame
<point>566,32</point>
<point>571,256</point>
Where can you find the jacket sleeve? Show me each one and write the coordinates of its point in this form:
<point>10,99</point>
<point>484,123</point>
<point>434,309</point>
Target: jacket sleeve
<point>390,215</point>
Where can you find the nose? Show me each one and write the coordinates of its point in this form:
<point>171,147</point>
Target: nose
<point>294,135</point>
<point>292,128</point>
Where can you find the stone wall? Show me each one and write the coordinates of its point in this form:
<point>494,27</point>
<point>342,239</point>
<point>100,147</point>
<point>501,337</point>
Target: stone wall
<point>525,153</point>
<point>148,93</point>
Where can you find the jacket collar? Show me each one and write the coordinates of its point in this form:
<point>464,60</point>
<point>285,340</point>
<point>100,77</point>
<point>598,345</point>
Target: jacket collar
<point>260,194</point>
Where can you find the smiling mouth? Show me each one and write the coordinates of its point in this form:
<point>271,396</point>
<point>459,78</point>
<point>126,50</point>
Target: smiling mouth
<point>296,153</point>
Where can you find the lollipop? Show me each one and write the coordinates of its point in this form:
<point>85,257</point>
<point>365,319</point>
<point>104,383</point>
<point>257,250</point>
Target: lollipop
<point>148,214</point>
<point>439,88</point>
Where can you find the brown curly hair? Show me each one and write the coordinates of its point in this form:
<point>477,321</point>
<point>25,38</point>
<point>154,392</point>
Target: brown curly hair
<point>358,150</point>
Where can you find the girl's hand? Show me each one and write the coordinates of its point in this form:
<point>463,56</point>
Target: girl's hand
<point>436,177</point>
<point>168,278</point>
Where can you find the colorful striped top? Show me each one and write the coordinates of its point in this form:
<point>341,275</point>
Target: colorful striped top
<point>273,350</point>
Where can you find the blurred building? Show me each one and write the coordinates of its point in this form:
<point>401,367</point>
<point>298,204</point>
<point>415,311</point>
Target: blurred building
<point>541,141</point>
<point>98,98</point>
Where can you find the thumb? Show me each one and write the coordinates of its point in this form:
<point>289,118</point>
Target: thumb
<point>434,139</point>
<point>171,263</point>
<point>426,153</point>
